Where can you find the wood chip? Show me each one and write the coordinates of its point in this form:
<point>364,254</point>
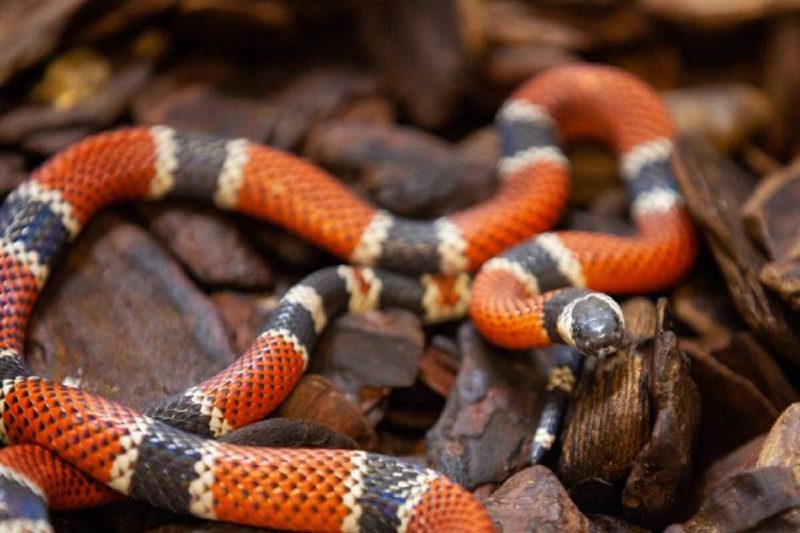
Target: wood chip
<point>609,421</point>
<point>486,427</point>
<point>316,399</point>
<point>534,500</point>
<point>714,187</point>
<point>661,471</point>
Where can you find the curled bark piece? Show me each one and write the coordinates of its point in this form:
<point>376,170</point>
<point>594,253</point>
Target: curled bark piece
<point>662,468</point>
<point>714,187</point>
<point>610,417</point>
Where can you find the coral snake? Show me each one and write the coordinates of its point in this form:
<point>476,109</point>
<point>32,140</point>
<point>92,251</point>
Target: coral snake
<point>68,448</point>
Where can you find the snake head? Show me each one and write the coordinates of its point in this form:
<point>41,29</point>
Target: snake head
<point>593,324</point>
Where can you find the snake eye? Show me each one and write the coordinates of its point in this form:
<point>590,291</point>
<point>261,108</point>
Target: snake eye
<point>593,324</point>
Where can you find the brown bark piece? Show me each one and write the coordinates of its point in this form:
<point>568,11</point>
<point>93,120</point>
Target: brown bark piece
<point>612,202</point>
<point>727,114</point>
<point>285,249</point>
<point>374,109</point>
<point>268,14</point>
<point>486,427</point>
<point>289,433</point>
<point>609,420</point>
<point>120,319</point>
<point>763,499</point>
<point>50,141</point>
<point>439,364</point>
<point>782,80</point>
<point>318,400</point>
<point>579,220</point>
<point>585,4</point>
<point>734,409</point>
<point>747,357</point>
<point>28,120</point>
<point>594,171</point>
<point>12,170</point>
<point>375,349</point>
<point>610,524</point>
<point>742,458</point>
<point>783,277</point>
<point>244,314</point>
<point>714,188</point>
<point>662,468</point>
<point>716,13</point>
<point>120,16</point>
<point>658,63</point>
<point>771,215</point>
<point>534,500</point>
<point>210,244</point>
<point>782,446</point>
<point>420,48</point>
<point>707,309</point>
<point>243,102</point>
<point>405,170</point>
<point>514,63</point>
<point>515,22</point>
<point>483,143</point>
<point>28,31</point>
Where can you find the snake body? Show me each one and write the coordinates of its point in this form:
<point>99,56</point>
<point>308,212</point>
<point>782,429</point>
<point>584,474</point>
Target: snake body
<point>65,441</point>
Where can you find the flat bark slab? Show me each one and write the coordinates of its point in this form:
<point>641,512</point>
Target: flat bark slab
<point>210,244</point>
<point>771,215</point>
<point>715,188</point>
<point>534,500</point>
<point>486,427</point>
<point>120,318</point>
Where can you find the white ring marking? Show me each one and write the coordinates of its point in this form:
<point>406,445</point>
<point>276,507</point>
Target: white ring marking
<point>231,176</point>
<point>218,425</point>
<point>515,269</point>
<point>27,525</point>
<point>124,464</point>
<point>532,156</point>
<point>52,198</point>
<point>451,247</point>
<point>643,154</point>
<point>291,338</point>
<point>521,111</point>
<point>310,300</point>
<point>568,265</point>
<point>435,310</point>
<point>370,245</point>
<point>361,300</point>
<point>166,160</point>
<point>655,201</point>
<point>544,438</point>
<point>29,258</point>
<point>201,496</point>
<point>355,490</point>
<point>22,479</point>
<point>420,486</point>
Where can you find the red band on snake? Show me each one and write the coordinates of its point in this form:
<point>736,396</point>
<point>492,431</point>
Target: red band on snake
<point>518,300</point>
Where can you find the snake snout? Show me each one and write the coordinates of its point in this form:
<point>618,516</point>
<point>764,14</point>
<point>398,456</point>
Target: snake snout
<point>597,327</point>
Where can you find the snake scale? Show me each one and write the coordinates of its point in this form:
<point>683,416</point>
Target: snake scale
<point>68,448</point>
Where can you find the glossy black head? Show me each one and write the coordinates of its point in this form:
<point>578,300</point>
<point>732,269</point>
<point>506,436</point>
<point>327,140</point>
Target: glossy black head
<point>596,328</point>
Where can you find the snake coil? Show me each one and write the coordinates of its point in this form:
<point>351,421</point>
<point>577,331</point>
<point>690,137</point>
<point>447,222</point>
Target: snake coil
<point>70,448</point>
